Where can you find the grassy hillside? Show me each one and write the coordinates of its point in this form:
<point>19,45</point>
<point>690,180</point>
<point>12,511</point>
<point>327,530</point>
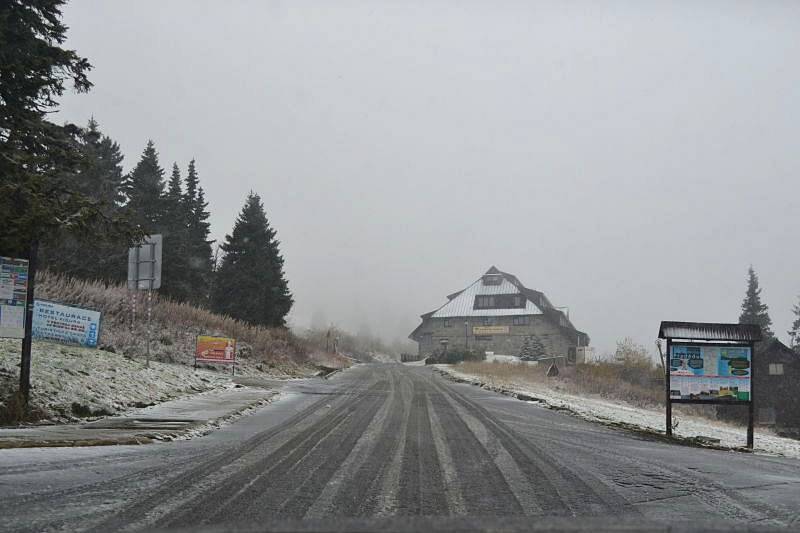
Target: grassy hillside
<point>60,374</point>
<point>174,326</point>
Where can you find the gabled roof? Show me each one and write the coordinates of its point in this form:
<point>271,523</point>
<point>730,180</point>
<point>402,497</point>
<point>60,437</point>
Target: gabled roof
<point>773,350</point>
<point>709,331</point>
<point>461,304</point>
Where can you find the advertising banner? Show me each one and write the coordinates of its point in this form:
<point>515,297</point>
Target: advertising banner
<point>707,372</point>
<point>13,294</point>
<point>215,350</point>
<point>490,330</point>
<point>65,324</point>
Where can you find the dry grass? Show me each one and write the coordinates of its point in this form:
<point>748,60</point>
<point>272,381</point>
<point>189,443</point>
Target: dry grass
<point>637,382</point>
<point>638,385</point>
<point>174,325</point>
<point>13,410</point>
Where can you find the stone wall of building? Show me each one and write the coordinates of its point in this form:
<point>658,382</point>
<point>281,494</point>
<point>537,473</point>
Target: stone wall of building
<point>459,335</point>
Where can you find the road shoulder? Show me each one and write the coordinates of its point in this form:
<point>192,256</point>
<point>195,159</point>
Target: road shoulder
<point>176,419</point>
<point>645,422</point>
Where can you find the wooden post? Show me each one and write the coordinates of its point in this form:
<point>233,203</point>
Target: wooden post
<point>667,387</point>
<point>25,363</point>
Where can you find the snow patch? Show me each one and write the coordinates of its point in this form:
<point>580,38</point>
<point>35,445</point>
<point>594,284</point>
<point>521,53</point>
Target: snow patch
<point>97,383</point>
<point>652,420</point>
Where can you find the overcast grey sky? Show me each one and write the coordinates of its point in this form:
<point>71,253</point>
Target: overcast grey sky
<point>629,159</point>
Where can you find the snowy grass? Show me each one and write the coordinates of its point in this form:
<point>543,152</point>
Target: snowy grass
<point>638,384</point>
<point>555,393</point>
<point>174,325</point>
<point>69,383</point>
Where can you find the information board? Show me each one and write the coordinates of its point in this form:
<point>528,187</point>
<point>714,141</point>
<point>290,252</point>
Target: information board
<point>710,372</point>
<point>13,294</point>
<point>66,324</point>
<point>215,349</point>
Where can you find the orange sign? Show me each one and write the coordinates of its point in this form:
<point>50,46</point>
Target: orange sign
<point>215,349</point>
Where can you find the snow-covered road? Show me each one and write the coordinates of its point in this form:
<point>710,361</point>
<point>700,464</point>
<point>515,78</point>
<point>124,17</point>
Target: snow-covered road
<point>400,448</point>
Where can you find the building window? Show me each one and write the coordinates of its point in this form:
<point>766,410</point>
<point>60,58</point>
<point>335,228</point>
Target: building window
<point>521,320</point>
<point>499,301</point>
<point>488,321</point>
<point>776,369</point>
<point>492,279</point>
<point>484,302</point>
<point>447,323</point>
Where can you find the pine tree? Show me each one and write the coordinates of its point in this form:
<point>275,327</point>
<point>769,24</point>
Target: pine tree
<point>192,183</point>
<point>174,193</point>
<point>250,284</point>
<point>174,227</point>
<point>753,311</point>
<point>794,333</point>
<point>101,174</point>
<point>99,178</point>
<point>532,348</point>
<point>198,250</point>
<point>38,158</point>
<point>144,188</point>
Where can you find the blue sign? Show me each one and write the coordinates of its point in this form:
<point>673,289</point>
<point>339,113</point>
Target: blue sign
<point>65,324</point>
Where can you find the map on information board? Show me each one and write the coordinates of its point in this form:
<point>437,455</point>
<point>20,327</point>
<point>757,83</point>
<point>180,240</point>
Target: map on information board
<point>710,372</point>
<point>13,294</point>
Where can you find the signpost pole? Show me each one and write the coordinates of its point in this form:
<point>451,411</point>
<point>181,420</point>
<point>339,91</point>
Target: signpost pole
<point>25,363</point>
<point>135,289</point>
<point>751,405</point>
<point>667,388</point>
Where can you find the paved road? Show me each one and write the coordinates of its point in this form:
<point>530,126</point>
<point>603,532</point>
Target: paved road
<point>395,447</point>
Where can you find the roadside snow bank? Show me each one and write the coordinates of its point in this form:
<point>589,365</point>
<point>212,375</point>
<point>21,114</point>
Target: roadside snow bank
<point>622,414</point>
<point>71,382</point>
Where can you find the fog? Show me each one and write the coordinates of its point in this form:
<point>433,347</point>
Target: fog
<point>629,159</point>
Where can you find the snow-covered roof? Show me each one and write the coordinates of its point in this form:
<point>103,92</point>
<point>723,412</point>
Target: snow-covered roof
<point>462,303</point>
<point>505,287</point>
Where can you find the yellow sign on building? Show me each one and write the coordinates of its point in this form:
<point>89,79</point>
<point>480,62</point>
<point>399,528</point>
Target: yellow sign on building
<point>490,330</point>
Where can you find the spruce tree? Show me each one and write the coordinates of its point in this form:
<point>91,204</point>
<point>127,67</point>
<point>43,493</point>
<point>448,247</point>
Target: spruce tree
<point>144,188</point>
<point>198,251</point>
<point>525,352</point>
<point>794,333</point>
<point>38,158</point>
<point>100,176</point>
<point>537,347</point>
<point>101,255</point>
<point>753,311</point>
<point>250,284</point>
<point>532,348</point>
<point>173,226</point>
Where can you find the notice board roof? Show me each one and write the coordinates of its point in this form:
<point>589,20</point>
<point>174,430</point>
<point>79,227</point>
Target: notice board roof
<point>708,331</point>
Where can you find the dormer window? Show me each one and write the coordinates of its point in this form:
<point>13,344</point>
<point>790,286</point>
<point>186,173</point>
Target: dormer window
<point>499,301</point>
<point>492,279</point>
<point>484,302</point>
